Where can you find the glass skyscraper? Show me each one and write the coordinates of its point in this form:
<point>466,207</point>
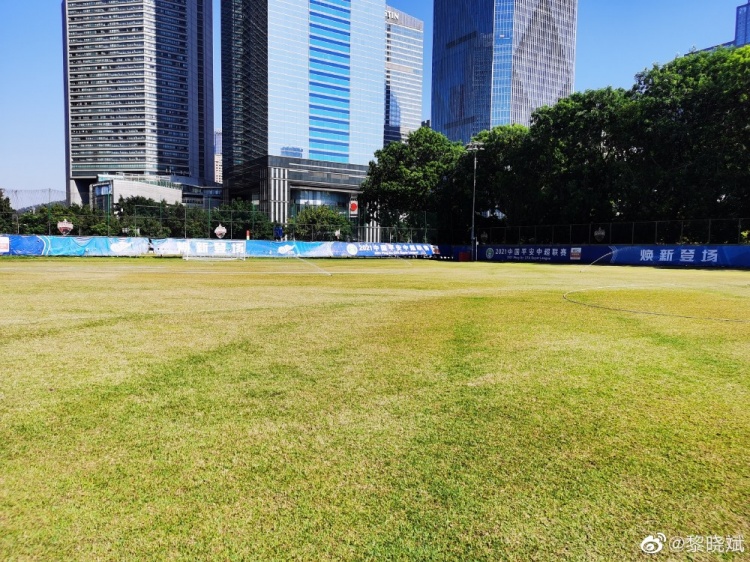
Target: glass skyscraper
<point>303,99</point>
<point>742,28</point>
<point>138,89</point>
<point>218,170</point>
<point>495,61</point>
<point>403,74</point>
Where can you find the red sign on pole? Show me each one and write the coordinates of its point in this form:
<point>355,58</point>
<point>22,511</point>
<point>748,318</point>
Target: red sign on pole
<point>353,208</point>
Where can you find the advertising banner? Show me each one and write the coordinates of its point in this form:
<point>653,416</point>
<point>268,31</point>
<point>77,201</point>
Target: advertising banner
<point>377,250</point>
<point>269,249</point>
<point>98,246</point>
<point>260,248</point>
<point>198,247</point>
<point>686,256</point>
<point>734,256</point>
<point>537,254</point>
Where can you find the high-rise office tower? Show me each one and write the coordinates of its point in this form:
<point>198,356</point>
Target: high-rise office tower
<point>217,141</point>
<point>138,90</point>
<point>742,28</point>
<point>303,100</point>
<point>404,53</point>
<point>218,168</point>
<point>495,61</point>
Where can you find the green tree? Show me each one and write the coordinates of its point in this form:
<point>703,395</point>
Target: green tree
<point>506,191</point>
<point>141,216</point>
<point>156,219</point>
<point>319,223</point>
<point>6,214</point>
<point>240,217</point>
<point>692,137</point>
<point>506,175</point>
<point>404,180</point>
<point>87,221</point>
<point>43,220</point>
<point>582,147</point>
<point>185,222</point>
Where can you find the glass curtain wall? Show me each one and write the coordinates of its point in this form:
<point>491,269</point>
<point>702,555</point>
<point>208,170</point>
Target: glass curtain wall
<point>330,79</point>
<point>462,67</point>
<point>742,33</point>
<point>495,61</point>
<point>403,75</point>
<point>544,45</point>
<point>244,71</point>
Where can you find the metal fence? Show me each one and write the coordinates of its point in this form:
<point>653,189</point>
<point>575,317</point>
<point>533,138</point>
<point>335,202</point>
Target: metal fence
<point>185,222</point>
<point>708,231</point>
<point>147,221</point>
<point>392,235</point>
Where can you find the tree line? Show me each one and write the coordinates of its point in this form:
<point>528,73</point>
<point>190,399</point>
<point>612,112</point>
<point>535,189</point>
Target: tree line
<point>673,147</point>
<point>139,216</point>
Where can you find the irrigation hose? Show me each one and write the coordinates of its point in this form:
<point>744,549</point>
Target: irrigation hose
<point>646,312</point>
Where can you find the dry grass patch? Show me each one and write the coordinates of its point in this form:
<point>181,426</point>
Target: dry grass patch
<point>161,409</point>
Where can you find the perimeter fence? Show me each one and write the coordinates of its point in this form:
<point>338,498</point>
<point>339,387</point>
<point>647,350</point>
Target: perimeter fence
<point>169,221</point>
<point>708,231</point>
<point>189,222</point>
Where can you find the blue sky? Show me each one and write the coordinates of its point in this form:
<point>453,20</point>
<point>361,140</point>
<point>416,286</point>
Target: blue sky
<point>616,39</point>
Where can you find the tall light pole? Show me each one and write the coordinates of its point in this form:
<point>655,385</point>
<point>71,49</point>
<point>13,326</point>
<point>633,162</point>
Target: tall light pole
<point>475,147</point>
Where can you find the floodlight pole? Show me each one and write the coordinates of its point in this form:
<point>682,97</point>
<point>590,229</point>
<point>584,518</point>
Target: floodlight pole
<point>475,147</point>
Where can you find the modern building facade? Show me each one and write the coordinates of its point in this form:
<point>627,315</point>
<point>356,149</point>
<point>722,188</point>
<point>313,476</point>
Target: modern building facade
<point>218,168</point>
<point>496,61</point>
<point>138,91</point>
<point>303,100</point>
<point>742,27</point>
<point>218,144</point>
<point>108,190</point>
<point>404,55</point>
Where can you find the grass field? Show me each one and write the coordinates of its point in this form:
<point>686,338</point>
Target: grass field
<point>394,410</point>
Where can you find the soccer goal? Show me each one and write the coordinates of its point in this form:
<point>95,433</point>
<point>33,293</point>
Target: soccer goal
<point>214,250</point>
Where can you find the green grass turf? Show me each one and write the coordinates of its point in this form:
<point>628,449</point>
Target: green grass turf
<point>395,410</point>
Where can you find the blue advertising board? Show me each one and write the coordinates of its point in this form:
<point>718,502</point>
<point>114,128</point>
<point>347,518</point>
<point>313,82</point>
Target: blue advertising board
<point>734,256</point>
<point>537,254</point>
<point>198,247</point>
<point>268,249</point>
<point>378,250</point>
<point>675,256</point>
<point>685,256</point>
<point>100,246</point>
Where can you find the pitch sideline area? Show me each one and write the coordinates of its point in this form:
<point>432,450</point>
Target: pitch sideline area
<point>387,409</point>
